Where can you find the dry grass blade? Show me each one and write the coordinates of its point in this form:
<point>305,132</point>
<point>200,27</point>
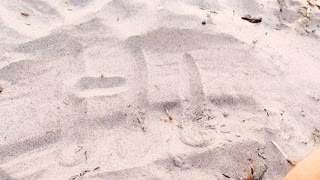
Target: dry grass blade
<point>292,163</point>
<point>24,14</point>
<point>169,118</point>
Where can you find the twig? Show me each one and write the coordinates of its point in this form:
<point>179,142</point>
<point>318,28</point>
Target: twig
<point>292,163</point>
<point>84,172</point>
<point>97,168</point>
<point>139,121</point>
<point>226,176</point>
<point>167,112</point>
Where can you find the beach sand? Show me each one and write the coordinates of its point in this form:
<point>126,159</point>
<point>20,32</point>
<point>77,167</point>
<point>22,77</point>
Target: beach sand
<point>161,89</point>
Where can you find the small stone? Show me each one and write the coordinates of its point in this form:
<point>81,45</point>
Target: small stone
<point>203,23</point>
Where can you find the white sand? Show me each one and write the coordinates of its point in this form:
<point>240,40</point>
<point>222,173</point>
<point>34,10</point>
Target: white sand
<point>86,82</point>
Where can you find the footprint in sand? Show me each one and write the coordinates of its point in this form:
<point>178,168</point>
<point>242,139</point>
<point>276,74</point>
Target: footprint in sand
<point>89,92</point>
<point>192,96</point>
<point>98,86</point>
<point>97,101</point>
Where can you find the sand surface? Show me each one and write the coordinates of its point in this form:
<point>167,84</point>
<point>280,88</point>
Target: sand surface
<point>86,85</point>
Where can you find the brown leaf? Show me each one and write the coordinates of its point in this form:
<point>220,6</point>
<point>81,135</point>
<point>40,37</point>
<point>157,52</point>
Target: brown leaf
<point>251,171</point>
<point>252,19</point>
<point>24,14</point>
<point>250,174</point>
<point>316,135</point>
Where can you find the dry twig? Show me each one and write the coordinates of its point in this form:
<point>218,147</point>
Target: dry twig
<point>252,19</point>
<point>292,163</point>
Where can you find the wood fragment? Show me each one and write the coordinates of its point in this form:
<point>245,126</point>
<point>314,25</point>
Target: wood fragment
<point>252,19</point>
<point>226,176</point>
<point>292,163</point>
<point>24,14</point>
<point>97,168</point>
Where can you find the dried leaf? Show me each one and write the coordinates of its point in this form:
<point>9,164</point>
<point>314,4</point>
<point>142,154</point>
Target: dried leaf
<point>250,174</point>
<point>252,19</point>
<point>24,14</point>
<point>251,171</point>
<point>316,135</point>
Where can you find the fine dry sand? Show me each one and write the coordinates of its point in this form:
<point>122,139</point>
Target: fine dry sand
<point>86,84</point>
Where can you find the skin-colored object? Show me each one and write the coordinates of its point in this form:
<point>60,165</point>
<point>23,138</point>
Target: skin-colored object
<point>307,169</point>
